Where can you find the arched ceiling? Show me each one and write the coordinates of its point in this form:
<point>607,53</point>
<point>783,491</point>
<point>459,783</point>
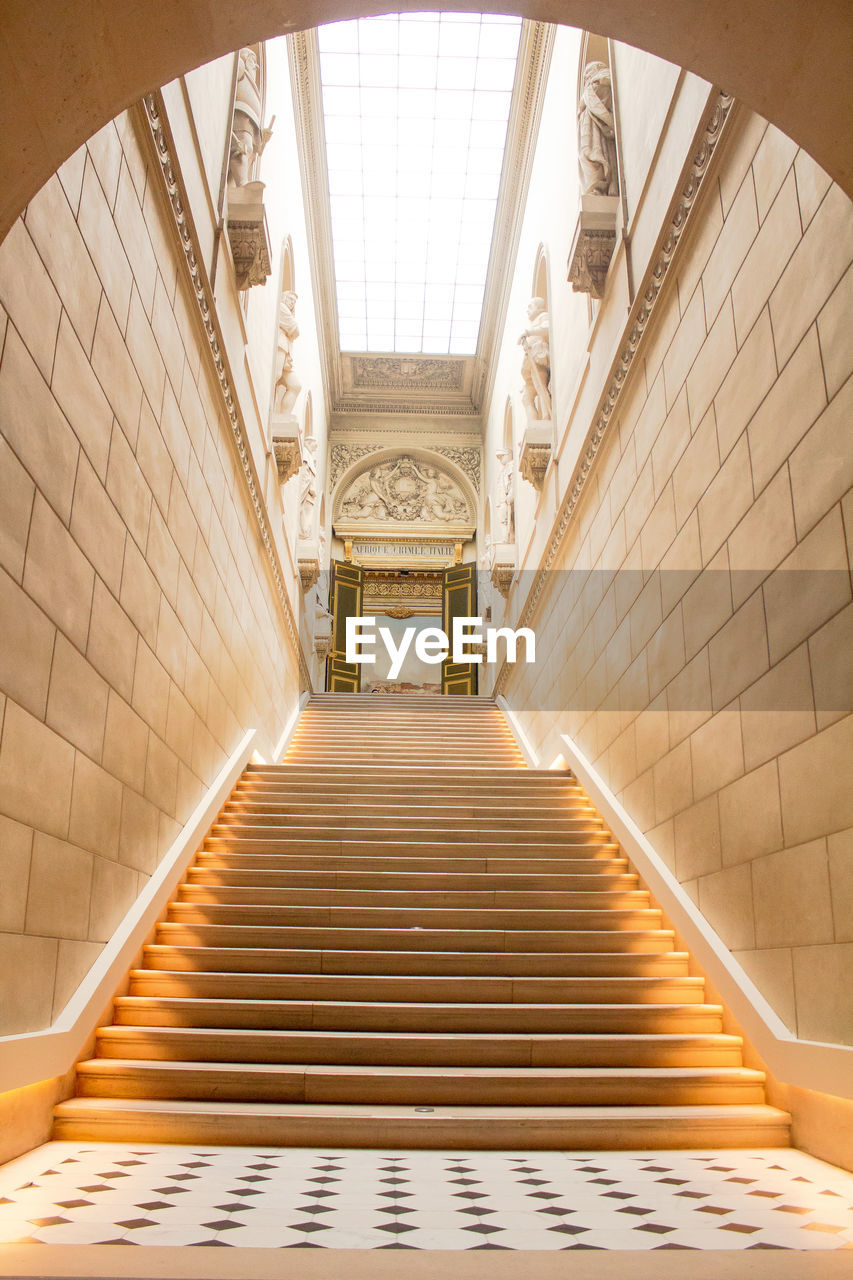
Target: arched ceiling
<point>69,66</point>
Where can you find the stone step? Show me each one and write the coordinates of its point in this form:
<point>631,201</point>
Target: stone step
<point>496,1049</point>
<point>383,987</point>
<point>231,873</point>
<point>443,1128</point>
<point>591,964</point>
<point>465,1086</point>
<point>402,807</point>
<point>368,839</point>
<point>348,855</point>
<point>465,899</point>
<point>415,917</point>
<point>336,937</point>
<point>247,826</point>
<point>392,1016</point>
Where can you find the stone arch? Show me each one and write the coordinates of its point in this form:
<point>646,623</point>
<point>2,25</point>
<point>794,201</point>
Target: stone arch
<point>52,100</point>
<point>509,428</point>
<point>288,268</point>
<point>540,287</point>
<point>308,418</point>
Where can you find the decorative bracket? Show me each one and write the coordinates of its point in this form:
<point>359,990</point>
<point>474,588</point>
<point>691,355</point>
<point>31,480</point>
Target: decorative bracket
<point>593,244</point>
<point>502,562</point>
<point>308,563</point>
<point>286,446</point>
<point>248,235</point>
<point>535,453</point>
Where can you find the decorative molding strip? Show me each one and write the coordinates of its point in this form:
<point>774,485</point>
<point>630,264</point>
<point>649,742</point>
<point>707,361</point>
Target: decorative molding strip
<point>158,135</point>
<point>637,325</point>
<point>41,1055</point>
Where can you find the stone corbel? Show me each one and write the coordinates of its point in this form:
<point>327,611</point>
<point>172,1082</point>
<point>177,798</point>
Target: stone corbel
<point>308,563</point>
<point>248,234</point>
<point>286,446</point>
<point>502,564</point>
<point>593,244</point>
<point>535,453</point>
<point>323,644</point>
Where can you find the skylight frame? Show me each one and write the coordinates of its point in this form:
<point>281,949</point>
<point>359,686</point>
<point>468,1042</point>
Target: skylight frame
<point>439,268</point>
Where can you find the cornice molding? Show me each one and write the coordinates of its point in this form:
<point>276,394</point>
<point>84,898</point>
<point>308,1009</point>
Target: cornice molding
<point>638,324</point>
<point>358,383</point>
<point>154,127</point>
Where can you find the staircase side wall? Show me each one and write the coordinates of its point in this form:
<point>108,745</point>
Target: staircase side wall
<point>143,630</point>
<point>710,692</point>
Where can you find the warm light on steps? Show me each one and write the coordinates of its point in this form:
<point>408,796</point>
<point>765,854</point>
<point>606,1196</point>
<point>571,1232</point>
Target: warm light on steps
<point>422,921</point>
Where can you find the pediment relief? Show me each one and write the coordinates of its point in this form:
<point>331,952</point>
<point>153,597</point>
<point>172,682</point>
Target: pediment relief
<point>404,490</point>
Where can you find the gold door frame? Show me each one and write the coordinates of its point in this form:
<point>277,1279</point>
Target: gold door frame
<point>347,594</point>
<point>458,600</point>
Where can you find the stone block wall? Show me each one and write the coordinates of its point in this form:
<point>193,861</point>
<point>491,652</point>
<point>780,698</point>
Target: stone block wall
<point>140,632</point>
<point>714,705</point>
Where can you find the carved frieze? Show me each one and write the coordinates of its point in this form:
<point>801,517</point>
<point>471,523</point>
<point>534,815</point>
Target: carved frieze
<point>593,244</point>
<point>467,459</point>
<point>407,373</point>
<point>404,490</point>
<point>345,455</point>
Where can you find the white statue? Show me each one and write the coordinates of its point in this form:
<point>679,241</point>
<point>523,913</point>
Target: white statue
<point>307,489</point>
<point>287,385</point>
<point>248,136</point>
<point>536,365</point>
<point>596,137</point>
<point>506,500</point>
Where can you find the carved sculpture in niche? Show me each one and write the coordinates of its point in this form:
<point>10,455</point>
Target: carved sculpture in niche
<point>307,489</point>
<point>248,135</point>
<point>287,385</point>
<point>536,363</point>
<point>246,222</point>
<point>506,500</point>
<point>405,489</point>
<point>596,134</point>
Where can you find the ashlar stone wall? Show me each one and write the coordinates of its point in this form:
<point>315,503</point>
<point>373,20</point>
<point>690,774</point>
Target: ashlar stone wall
<point>717,705</point>
<point>140,634</point>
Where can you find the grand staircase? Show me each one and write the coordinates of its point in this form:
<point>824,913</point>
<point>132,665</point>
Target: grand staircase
<point>403,937</point>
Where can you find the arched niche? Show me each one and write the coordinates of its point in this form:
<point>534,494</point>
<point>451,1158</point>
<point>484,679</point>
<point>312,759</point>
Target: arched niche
<point>541,277</point>
<point>509,428</point>
<point>288,268</point>
<point>308,419</point>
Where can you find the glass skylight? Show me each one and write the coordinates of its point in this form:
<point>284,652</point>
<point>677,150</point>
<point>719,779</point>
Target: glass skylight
<point>415,109</point>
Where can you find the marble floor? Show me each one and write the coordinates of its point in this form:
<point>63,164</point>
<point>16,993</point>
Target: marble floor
<point>67,1193</point>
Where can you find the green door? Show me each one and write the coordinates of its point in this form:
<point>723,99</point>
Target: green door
<point>347,592</point>
<point>458,600</point>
